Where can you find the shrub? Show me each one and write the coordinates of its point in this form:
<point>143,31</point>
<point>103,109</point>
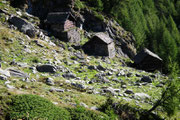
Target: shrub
<point>33,106</point>
<point>79,5</point>
<point>108,108</point>
<point>35,60</point>
<point>81,113</point>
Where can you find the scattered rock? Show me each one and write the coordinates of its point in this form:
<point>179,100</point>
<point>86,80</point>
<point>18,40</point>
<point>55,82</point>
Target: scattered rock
<point>100,67</point>
<point>46,68</point>
<point>159,85</point>
<point>5,73</point>
<point>49,81</point>
<point>3,77</point>
<point>69,75</point>
<point>109,90</point>
<point>7,82</point>
<point>77,85</point>
<point>10,86</point>
<point>121,73</point>
<point>17,73</point>
<point>129,92</point>
<point>116,80</point>
<point>146,79</point>
<point>56,90</point>
<point>94,108</point>
<point>105,80</point>
<point>123,86</point>
<point>129,75</point>
<point>141,96</point>
<point>39,43</point>
<point>92,67</point>
<point>83,104</point>
<point>92,81</point>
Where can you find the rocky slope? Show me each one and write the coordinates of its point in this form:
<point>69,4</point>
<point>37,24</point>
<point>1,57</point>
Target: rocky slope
<point>34,62</point>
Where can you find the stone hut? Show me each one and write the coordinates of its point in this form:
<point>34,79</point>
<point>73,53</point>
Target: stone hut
<point>62,25</point>
<point>100,45</point>
<point>148,61</point>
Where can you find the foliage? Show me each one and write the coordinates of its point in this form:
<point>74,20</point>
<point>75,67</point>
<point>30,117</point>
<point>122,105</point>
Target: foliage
<point>170,98</point>
<point>97,4</point>
<point>153,23</point>
<point>33,106</point>
<point>81,113</point>
<point>79,5</point>
<point>108,109</point>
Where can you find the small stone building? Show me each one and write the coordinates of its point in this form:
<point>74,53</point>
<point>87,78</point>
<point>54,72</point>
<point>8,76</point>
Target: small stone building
<point>100,45</point>
<point>148,61</point>
<point>62,25</point>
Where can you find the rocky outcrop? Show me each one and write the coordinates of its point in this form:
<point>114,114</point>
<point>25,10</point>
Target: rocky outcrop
<point>17,73</point>
<point>23,26</point>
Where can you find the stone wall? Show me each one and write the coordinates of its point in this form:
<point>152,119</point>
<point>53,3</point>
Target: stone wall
<point>73,36</point>
<point>111,50</point>
<point>68,25</point>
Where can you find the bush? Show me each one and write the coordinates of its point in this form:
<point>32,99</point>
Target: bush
<point>97,4</point>
<point>35,107</point>
<point>108,109</point>
<point>81,113</point>
<point>78,5</point>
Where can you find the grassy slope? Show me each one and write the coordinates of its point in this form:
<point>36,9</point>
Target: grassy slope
<point>14,50</point>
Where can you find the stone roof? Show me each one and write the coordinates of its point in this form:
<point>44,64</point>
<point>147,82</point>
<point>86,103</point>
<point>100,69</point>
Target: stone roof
<point>58,17</point>
<point>144,53</point>
<point>105,38</point>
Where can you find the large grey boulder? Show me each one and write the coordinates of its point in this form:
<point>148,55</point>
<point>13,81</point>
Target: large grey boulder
<point>46,68</point>
<point>5,73</point>
<point>23,26</point>
<point>17,73</point>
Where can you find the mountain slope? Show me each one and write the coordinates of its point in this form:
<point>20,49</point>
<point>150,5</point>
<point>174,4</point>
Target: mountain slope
<point>69,78</point>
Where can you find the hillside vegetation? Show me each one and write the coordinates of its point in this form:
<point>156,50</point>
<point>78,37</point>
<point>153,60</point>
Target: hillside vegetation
<point>154,23</point>
<point>45,78</point>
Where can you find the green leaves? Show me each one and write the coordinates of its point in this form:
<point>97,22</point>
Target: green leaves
<point>33,106</point>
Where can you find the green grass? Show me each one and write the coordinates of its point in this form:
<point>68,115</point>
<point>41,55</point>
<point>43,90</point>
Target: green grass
<point>33,106</point>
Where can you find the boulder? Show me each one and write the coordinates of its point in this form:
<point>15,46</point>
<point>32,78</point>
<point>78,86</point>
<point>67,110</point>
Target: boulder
<point>79,86</point>
<point>129,92</point>
<point>3,77</point>
<point>49,81</point>
<point>56,90</point>
<point>23,26</point>
<point>146,79</point>
<point>148,61</point>
<point>5,73</point>
<point>46,68</point>
<point>69,75</point>
<point>141,96</point>
<point>17,73</point>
